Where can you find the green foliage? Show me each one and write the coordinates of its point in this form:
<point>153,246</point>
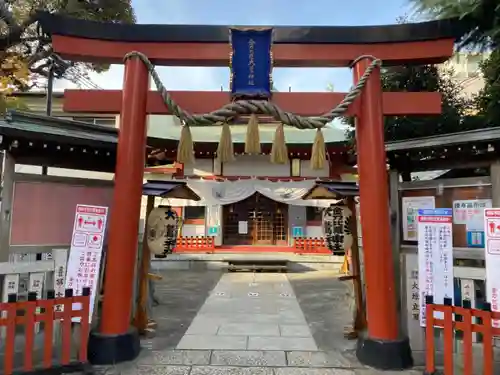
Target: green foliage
<point>456,109</point>
<point>480,19</point>
<point>489,98</point>
<point>20,38</point>
<point>10,102</point>
<point>117,11</point>
<point>481,28</point>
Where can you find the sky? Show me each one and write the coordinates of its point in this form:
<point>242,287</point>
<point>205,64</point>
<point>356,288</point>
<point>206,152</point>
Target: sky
<point>255,13</point>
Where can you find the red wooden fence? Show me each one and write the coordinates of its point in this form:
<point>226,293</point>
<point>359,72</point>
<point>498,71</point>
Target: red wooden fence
<point>465,319</point>
<point>27,313</point>
<point>198,243</point>
<point>310,245</point>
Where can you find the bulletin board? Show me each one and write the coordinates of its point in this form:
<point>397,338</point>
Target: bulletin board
<point>471,199</point>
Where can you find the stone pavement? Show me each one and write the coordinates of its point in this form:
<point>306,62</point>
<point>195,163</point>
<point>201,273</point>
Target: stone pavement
<point>229,362</point>
<point>248,362</point>
<point>213,323</point>
<point>252,311</point>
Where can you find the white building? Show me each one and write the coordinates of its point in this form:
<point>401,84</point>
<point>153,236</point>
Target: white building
<point>467,72</point>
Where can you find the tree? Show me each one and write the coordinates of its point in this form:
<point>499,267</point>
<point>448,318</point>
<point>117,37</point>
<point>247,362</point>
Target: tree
<point>456,111</point>
<point>15,73</point>
<point>488,100</point>
<point>479,19</point>
<point>481,28</point>
<point>24,49</point>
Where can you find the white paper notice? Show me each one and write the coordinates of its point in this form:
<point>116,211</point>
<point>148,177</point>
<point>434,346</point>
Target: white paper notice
<point>435,257</point>
<point>410,206</point>
<point>470,212</point>
<point>492,258</point>
<point>242,227</point>
<point>86,252</point>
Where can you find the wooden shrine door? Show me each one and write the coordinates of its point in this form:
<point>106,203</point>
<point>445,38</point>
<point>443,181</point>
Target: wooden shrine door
<point>256,220</point>
<point>269,223</point>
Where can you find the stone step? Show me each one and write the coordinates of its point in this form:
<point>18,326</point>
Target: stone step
<point>257,262</point>
<point>294,262</point>
<point>222,265</point>
<point>256,268</point>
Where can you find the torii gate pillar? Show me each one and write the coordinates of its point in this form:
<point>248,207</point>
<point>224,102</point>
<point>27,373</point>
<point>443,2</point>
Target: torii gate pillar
<point>117,341</point>
<point>382,347</point>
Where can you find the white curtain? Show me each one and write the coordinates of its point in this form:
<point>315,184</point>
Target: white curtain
<point>228,192</point>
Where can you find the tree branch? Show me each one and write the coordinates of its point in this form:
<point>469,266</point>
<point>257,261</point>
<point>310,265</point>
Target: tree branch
<point>40,55</point>
<point>23,38</point>
<point>15,30</point>
<point>6,15</point>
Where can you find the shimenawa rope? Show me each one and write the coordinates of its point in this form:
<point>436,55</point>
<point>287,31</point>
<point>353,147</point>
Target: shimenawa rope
<point>245,107</point>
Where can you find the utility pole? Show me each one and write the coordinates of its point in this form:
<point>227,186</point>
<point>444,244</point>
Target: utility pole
<point>48,103</point>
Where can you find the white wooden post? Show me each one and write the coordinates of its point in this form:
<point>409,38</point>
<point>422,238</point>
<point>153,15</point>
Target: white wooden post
<point>35,284</point>
<point>10,286</point>
<point>468,290</point>
<point>60,259</point>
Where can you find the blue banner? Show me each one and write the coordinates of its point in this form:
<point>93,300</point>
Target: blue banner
<point>435,212</point>
<point>251,62</point>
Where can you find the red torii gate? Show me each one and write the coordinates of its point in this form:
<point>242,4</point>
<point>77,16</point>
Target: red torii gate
<point>424,43</point>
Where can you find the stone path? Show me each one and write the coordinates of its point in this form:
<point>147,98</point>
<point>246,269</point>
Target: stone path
<point>181,295</point>
<point>250,311</point>
<point>214,323</point>
<point>230,362</point>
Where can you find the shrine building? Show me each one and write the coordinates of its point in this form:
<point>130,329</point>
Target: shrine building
<point>249,203</point>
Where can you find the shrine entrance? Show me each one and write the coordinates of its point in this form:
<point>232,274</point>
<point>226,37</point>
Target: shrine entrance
<point>256,220</point>
<point>363,48</point>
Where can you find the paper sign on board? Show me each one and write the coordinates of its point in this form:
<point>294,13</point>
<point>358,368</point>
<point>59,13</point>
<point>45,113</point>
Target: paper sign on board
<point>410,207</point>
<point>492,258</point>
<point>242,227</point>
<point>435,257</point>
<point>86,252</point>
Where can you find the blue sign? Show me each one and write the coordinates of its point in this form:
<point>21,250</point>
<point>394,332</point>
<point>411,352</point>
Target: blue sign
<point>251,62</point>
<point>436,212</point>
<point>297,232</point>
<point>475,238</point>
<point>213,231</point>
